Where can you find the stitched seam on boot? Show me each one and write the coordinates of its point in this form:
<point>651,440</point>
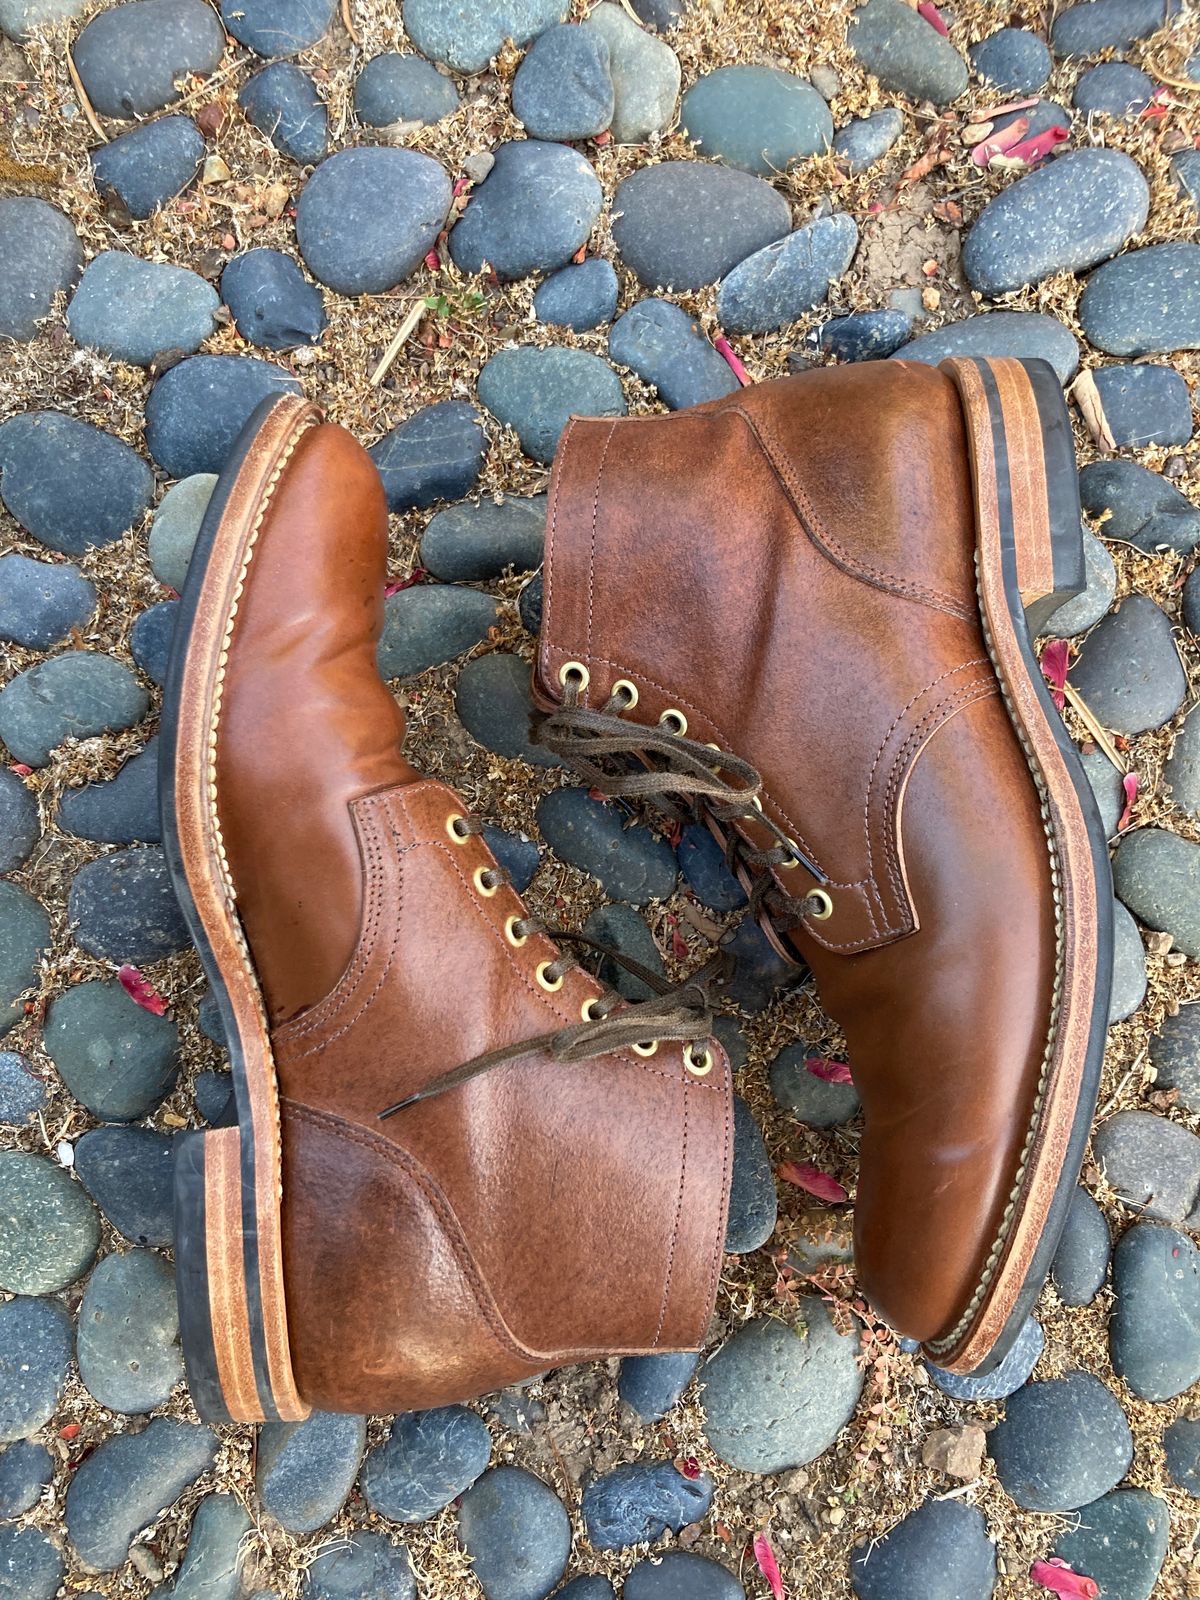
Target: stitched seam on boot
<point>591,577</point>
<point>670,1272</point>
<point>548,565</point>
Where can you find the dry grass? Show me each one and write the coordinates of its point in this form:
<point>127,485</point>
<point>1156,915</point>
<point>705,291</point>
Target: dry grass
<point>874,1475</point>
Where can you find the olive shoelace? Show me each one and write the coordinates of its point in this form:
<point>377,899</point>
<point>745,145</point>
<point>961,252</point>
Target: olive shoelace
<point>662,767</point>
<point>680,1011</point>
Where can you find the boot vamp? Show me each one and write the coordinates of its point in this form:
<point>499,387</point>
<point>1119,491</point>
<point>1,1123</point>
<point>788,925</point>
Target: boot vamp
<point>947,1028</point>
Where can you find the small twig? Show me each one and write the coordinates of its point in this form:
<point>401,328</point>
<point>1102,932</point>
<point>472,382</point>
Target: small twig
<point>1087,717</point>
<point>348,23</point>
<point>88,109</point>
<point>211,82</point>
<point>1120,1089</point>
<point>415,312</point>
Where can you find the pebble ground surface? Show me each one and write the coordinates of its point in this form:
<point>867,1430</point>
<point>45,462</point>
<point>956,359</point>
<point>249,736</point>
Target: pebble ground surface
<point>197,208</point>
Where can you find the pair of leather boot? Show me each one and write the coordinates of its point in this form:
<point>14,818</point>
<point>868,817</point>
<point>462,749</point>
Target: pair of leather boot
<point>805,614</point>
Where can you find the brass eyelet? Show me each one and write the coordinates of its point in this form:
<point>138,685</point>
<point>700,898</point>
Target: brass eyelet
<point>675,722</point>
<point>487,890</point>
<point>794,859</point>
<point>645,1049</point>
<point>510,933</point>
<point>629,690</point>
<point>698,1062</point>
<point>551,985</point>
<point>588,1013</point>
<point>573,674</point>
<point>822,910</point>
<point>452,822</point>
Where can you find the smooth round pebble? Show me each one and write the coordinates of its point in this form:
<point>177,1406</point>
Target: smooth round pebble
<point>128,1340</point>
<point>74,695</point>
<point>24,938</point>
<point>940,1551</point>
<point>753,1204</point>
<point>1128,670</point>
<point>69,484</point>
<point>681,1575</point>
<point>532,212</point>
<point>668,349</point>
<point>811,1099</point>
<point>530,604</point>
<point>51,1229</point>
<point>40,255</point>
<point>129,1173</point>
<point>1095,25</point>
<point>579,296</point>
<point>282,101</point>
<point>563,88</point>
<point>638,1502</point>
<point>777,284</point>
<point>20,825</point>
<point>1153,1164</point>
<point>479,539</point>
<point>278,27</point>
<point>1081,1260</point>
<point>394,88</point>
<point>515,854</point>
<point>632,864</point>
<point>624,930</point>
<point>125,909</point>
<point>759,971</point>
<point>645,74</point>
<point>150,641</point>
<point>361,1566</point>
<point>865,140</point>
<point>516,1532</point>
<point>147,167</point>
<point>1157,875</point>
<point>428,1459</point>
<point>436,454</point>
<point>866,335</point>
<point>760,119</point>
<point>25,1470</point>
<point>1144,405</point>
<point>1086,609</point>
<point>367,217</point>
<point>197,409</point>
<point>906,53</point>
<point>1182,770</point>
<point>1154,1333</point>
<point>175,526</point>
<point>1005,1378</point>
<point>1181,1446</point>
<point>41,601</point>
<point>537,391</point>
<point>1175,1056</point>
<point>999,333</point>
<point>1013,59</point>
<point>18,18</point>
<point>494,704</point>
<point>22,1095</point>
<point>116,1058</point>
<point>1147,302</point>
<point>1113,89</point>
<point>304,1471</point>
<point>466,34</point>
<point>131,57</point>
<point>702,862</point>
<point>684,224</point>
<point>212,1092</point>
<point>654,1385</point>
<point>1062,1443</point>
<point>1129,980</point>
<point>1107,787</point>
<point>271,301</point>
<point>118,810</point>
<point>31,1565</point>
<point>1185,170</point>
<point>1120,1542</point>
<point>430,623</point>
<point>587,1586</point>
<point>36,1345</point>
<point>217,1551</point>
<point>1139,506</point>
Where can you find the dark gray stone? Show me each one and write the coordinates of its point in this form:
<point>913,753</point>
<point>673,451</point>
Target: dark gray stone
<point>1107,787</point>
<point>31,1565</point>
<point>427,1460</point>
<point>662,16</point>
<point>865,140</point>
<point>394,89</point>
<point>1145,303</point>
<point>532,212</point>
<point>638,1503</point>
<point>176,524</point>
<point>579,296</point>
<point>516,1532</point>
<point>760,119</point>
<point>702,862</point>
<point>1086,609</point>
<point>653,1385</point>
<point>1113,89</point>
<point>116,1058</point>
<point>529,604</point>
<point>759,971</point>
<point>1095,25</point>
<point>588,1585</point>
<point>1175,1056</point>
<point>1152,1164</point>
<point>1181,1446</point>
<point>515,854</point>
<point>1154,1333</point>
<point>197,409</point>
<point>74,695</point>
<point>940,1551</point>
<point>272,302</point>
<point>136,311</point>
<point>999,333</point>
<point>119,810</point>
<point>212,1567</point>
<point>436,454</point>
<point>866,335</point>
<point>645,73</point>
<point>124,908</point>
<point>517,1411</point>
<point>304,1470</point>
<point>22,1095</point>
<point>466,34</point>
<point>282,102</point>
<point>212,1092</point>
<point>208,1016</point>
<point>536,391</point>
<point>775,1398</point>
<point>1139,506</point>
<point>128,1481</point>
<point>1004,1379</point>
<point>40,254</point>
<point>18,18</point>
<point>476,541</point>
<point>150,641</point>
<point>906,53</point>
<point>564,89</point>
<point>148,166</point>
<point>128,1341</point>
<point>1191,602</point>
<point>680,1575</point>
<point>625,930</point>
<point>361,1566</point>
<point>132,56</point>
<point>278,27</point>
<point>811,1099</point>
<point>20,825</point>
<point>24,938</point>
<point>1013,59</point>
<point>129,1173</point>
<point>493,700</point>
<point>630,863</point>
<point>430,623</point>
<point>1128,671</point>
<point>753,1205</point>
<point>1185,170</point>
<point>1157,875</point>
<point>684,224</point>
<point>69,484</point>
<point>1182,770</point>
<point>1062,1443</point>
<point>1145,405</point>
<point>41,601</point>
<point>668,349</point>
<point>36,1345</point>
<point>367,217</point>
<point>1120,1542</point>
<point>1081,1260</point>
<point>25,1470</point>
<point>777,284</point>
<point>1039,118</point>
<point>1129,967</point>
<point>1061,217</point>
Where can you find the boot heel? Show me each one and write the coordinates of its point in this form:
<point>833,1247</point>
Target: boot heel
<point>217,1279</point>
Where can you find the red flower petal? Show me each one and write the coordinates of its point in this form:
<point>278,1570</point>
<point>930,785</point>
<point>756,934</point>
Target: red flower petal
<point>723,348</point>
<point>141,990</point>
<point>1130,784</point>
<point>1031,151</point>
<point>690,1467</point>
<point>997,143</point>
<point>767,1564</point>
<point>394,585</point>
<point>807,1177</point>
<point>930,12</point>
<point>21,770</point>
<point>1054,667</point>
<point>828,1071</point>
<point>1057,1576</point>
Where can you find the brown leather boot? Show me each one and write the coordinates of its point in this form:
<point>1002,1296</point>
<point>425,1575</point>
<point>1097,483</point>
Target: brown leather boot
<point>377,1233</point>
<point>834,581</point>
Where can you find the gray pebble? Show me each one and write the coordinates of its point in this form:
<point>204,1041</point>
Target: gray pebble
<point>41,601</point>
<point>638,1502</point>
<point>514,853</point>
<point>532,212</point>
<point>394,88</point>
<point>1107,787</point>
<point>1181,1446</point>
<point>999,333</point>
<point>128,1340</point>
<point>1147,302</point>
<point>367,217</point>
<point>305,1470</point>
<point>1095,25</point>
<point>25,1470</point>
<point>1062,1443</point>
<point>907,53</point>
<point>760,119</point>
<point>681,1575</point>
<point>654,1385</point>
<point>136,311</point>
<point>1086,609</point>
<point>1139,506</point>
<point>51,1229</point>
<point>811,1099</point>
<point>147,167</point>
<point>684,224</point>
<point>31,1565</point>
<point>69,484</point>
<point>537,391</point>
<point>645,74</point>
<point>1175,1056</point>
<point>197,409</point>
<point>702,862</point>
<point>865,140</point>
<point>1129,967</point>
<point>278,27</point>
<point>430,623</point>
<point>116,1058</point>
<point>1157,875</point>
<point>213,1092</point>
<point>40,255</point>
<point>125,909</point>
<point>118,810</point>
<point>494,703</point>
<point>1128,671</point>
<point>22,1095</point>
<point>1081,1260</point>
<point>272,302</point>
<point>24,938</point>
<point>625,930</point>
<point>1113,89</point>
<point>777,284</point>
<point>1004,1379</point>
<point>176,525</point>
<point>563,89</point>
<point>436,454</point>
<point>1013,59</point>
<point>150,645</point>
<point>1121,1542</point>
<point>516,1532</point>
<point>1151,1163</point>
<point>1182,770</point>
<point>753,1204</point>
<point>1191,603</point>
<point>1185,170</point>
<point>36,1345</point>
<point>1144,405</point>
<point>866,335</point>
<point>466,34</point>
<point>74,695</point>
<point>428,1459</point>
<point>668,349</point>
<point>213,1563</point>
<point>130,1174</point>
<point>361,1566</point>
<point>630,863</point>
<point>579,296</point>
<point>132,57</point>
<point>20,825</point>
<point>940,1551</point>
<point>282,101</point>
<point>1154,1333</point>
<point>18,18</point>
<point>479,539</point>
